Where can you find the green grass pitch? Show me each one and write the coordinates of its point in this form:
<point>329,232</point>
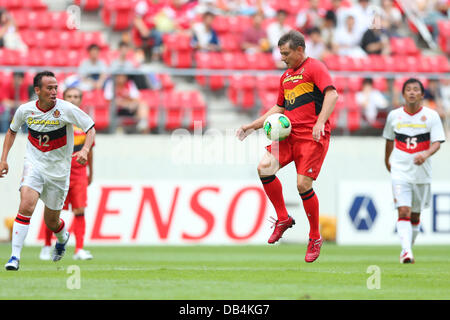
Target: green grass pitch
<point>230,273</point>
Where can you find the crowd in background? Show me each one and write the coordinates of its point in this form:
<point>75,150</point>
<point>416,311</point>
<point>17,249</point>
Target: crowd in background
<point>341,27</point>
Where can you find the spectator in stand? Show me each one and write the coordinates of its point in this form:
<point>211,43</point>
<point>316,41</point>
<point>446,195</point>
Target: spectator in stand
<point>175,17</point>
<point>347,39</point>
<point>123,63</point>
<point>315,46</point>
<point>310,17</point>
<point>246,7</point>
<point>14,93</point>
<point>275,31</point>
<point>364,13</point>
<point>254,39</point>
<point>375,40</point>
<point>92,70</point>
<point>438,10</point>
<point>207,6</point>
<point>391,18</point>
<point>127,99</point>
<point>9,36</point>
<point>328,29</point>
<point>445,94</point>
<point>370,100</point>
<point>146,37</point>
<point>204,37</point>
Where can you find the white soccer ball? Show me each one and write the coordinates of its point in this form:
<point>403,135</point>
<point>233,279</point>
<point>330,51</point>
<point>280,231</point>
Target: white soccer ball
<point>277,127</point>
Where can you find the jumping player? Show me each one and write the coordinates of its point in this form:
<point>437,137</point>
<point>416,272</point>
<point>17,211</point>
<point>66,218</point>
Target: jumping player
<point>307,97</point>
<point>77,195</point>
<point>47,161</point>
<point>413,134</point>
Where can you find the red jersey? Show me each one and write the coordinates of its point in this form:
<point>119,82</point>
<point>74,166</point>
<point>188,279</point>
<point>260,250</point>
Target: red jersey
<point>301,93</point>
<point>78,171</point>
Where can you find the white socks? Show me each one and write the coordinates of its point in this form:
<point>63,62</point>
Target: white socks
<point>20,230</point>
<point>415,231</point>
<point>61,233</point>
<point>405,231</point>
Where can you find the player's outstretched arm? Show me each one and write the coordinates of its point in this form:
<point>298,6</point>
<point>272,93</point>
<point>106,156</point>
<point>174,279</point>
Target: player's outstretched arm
<point>387,153</point>
<point>247,129</point>
<point>7,144</point>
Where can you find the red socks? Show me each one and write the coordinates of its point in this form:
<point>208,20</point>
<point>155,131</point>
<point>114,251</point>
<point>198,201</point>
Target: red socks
<point>272,187</point>
<point>311,206</point>
<point>79,227</point>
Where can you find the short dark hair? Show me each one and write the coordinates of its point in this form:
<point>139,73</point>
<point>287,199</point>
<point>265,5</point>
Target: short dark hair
<point>282,11</point>
<point>73,88</point>
<point>413,80</point>
<point>123,44</point>
<point>295,39</point>
<point>313,30</point>
<point>37,80</point>
<point>368,81</point>
<point>93,46</point>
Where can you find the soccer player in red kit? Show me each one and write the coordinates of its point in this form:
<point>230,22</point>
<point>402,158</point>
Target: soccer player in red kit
<point>307,97</point>
<point>77,195</point>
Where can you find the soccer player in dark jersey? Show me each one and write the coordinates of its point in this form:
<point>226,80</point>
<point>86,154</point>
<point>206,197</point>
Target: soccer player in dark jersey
<point>77,195</point>
<point>307,97</point>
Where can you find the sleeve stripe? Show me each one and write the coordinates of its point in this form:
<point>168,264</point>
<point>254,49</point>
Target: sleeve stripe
<point>90,128</point>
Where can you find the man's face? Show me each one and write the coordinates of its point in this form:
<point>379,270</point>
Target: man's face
<point>412,93</point>
<point>94,53</point>
<point>73,96</point>
<point>290,56</point>
<point>48,90</point>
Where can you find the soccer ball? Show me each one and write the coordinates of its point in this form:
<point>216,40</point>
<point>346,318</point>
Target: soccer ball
<point>277,127</point>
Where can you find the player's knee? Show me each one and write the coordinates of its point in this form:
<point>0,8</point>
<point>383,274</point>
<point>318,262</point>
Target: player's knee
<point>404,212</point>
<point>265,169</point>
<point>303,186</point>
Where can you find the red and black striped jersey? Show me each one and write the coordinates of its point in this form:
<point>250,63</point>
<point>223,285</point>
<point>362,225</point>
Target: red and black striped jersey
<point>301,93</point>
<point>50,134</point>
<point>412,133</point>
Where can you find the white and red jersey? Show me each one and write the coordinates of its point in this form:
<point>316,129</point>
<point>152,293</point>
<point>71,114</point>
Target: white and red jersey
<point>412,133</point>
<point>50,135</point>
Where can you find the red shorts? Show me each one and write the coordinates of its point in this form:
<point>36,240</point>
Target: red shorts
<point>307,154</point>
<point>77,195</point>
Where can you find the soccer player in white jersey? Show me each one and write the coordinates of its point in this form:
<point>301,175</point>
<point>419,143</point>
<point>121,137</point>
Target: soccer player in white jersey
<point>47,161</point>
<point>413,134</point>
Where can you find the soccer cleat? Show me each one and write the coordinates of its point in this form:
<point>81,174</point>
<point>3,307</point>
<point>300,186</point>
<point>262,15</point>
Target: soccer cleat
<point>313,250</point>
<point>82,255</point>
<point>406,257</point>
<point>12,264</point>
<point>46,253</point>
<point>60,249</point>
<point>280,228</point>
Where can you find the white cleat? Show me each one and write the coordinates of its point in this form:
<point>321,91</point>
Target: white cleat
<point>82,255</point>
<point>46,253</point>
<point>12,264</point>
<point>406,257</point>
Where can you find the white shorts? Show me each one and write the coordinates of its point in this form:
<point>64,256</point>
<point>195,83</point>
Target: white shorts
<point>415,196</point>
<point>51,191</point>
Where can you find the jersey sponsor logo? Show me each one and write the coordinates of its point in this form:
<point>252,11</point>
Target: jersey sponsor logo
<point>47,141</point>
<point>44,122</point>
<point>412,144</point>
<point>410,125</point>
<point>297,77</point>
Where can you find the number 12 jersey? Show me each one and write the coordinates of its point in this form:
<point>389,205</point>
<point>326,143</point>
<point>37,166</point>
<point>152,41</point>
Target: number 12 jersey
<point>412,134</point>
<point>50,135</point>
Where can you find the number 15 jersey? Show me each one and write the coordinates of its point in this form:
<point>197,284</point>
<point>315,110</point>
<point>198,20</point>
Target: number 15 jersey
<point>50,135</point>
<point>412,134</point>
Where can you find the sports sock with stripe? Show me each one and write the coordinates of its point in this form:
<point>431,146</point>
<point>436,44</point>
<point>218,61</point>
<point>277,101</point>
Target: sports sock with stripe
<point>404,230</point>
<point>20,230</point>
<point>274,190</point>
<point>61,233</point>
<point>311,206</point>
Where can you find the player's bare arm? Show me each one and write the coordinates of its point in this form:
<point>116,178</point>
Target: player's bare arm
<point>82,155</point>
<point>329,102</point>
<point>387,154</point>
<point>247,129</point>
<point>7,144</point>
<point>420,158</point>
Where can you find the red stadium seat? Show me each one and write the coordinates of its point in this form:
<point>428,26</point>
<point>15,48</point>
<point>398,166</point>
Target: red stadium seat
<point>268,100</point>
<point>353,114</point>
<point>220,24</point>
<point>94,101</point>
<point>230,42</point>
<point>21,19</point>
<point>269,82</point>
<point>380,83</point>
<point>88,5</point>
<point>403,46</point>
<point>238,24</point>
<point>173,110</point>
<point>151,98</point>
<point>242,90</point>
